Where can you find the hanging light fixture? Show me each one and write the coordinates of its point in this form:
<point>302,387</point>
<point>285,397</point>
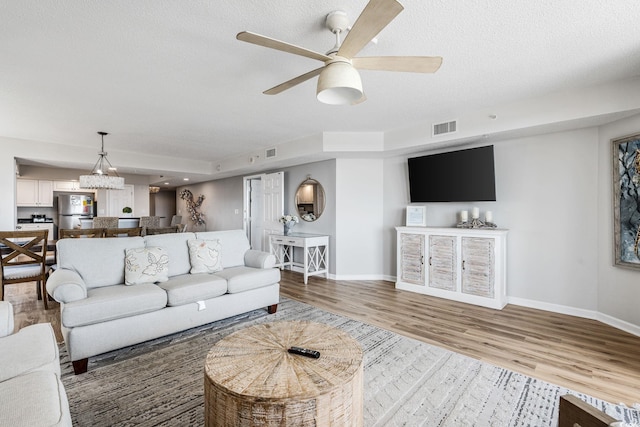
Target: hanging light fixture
<point>100,178</point>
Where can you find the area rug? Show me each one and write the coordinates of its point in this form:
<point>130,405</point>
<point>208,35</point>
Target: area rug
<point>407,382</point>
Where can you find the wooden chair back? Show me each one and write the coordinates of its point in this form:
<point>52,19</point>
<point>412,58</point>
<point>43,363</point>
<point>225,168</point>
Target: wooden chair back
<point>24,257</point>
<point>162,230</point>
<point>123,232</point>
<point>575,412</point>
<point>80,232</point>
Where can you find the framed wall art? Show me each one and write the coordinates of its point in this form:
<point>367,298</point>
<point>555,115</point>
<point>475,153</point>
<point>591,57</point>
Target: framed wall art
<point>626,201</point>
<point>417,216</point>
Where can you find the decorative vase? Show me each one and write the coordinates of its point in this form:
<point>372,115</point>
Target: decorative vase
<point>288,227</point>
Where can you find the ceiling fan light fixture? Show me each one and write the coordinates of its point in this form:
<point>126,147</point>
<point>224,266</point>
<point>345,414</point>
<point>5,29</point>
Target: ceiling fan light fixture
<point>339,84</point>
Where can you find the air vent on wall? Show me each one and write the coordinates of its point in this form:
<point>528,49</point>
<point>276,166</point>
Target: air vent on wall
<point>444,128</point>
<point>269,153</point>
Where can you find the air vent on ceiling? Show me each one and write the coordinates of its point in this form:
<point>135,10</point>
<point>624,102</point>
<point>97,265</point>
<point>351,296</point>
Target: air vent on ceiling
<point>269,153</point>
<point>444,128</point>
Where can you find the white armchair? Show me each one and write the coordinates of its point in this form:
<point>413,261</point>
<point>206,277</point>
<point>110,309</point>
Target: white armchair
<point>31,392</point>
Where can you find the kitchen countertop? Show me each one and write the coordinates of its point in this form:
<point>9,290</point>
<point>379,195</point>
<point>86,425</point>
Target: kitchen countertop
<point>31,221</point>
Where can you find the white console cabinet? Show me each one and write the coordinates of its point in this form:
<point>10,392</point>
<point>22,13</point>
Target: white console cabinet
<point>467,265</point>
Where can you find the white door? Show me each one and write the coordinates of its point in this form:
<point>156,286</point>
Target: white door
<point>264,205</point>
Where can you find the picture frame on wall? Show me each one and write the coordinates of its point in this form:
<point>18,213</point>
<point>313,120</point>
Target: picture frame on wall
<point>626,201</point>
<point>416,216</point>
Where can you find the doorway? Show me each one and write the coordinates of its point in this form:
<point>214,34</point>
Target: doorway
<point>263,207</point>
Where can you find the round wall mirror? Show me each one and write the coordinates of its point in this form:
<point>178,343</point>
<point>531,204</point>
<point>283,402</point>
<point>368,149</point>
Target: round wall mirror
<point>310,200</point>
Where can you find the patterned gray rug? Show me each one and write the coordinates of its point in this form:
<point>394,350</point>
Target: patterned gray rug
<point>407,383</point>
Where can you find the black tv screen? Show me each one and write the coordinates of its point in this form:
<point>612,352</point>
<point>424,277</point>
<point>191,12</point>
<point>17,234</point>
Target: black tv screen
<point>456,176</point>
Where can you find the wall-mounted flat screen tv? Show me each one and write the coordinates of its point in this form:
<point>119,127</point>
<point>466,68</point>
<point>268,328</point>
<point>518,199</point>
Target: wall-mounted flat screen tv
<point>456,176</point>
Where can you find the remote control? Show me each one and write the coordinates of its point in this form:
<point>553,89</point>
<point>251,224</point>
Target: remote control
<point>304,352</point>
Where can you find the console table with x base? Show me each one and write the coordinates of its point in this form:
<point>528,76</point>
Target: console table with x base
<point>315,250</point>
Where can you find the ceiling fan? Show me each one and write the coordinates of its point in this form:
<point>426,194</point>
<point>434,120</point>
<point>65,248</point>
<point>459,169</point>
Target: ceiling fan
<point>339,81</point>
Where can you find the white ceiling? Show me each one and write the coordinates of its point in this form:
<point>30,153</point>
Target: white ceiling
<point>170,78</point>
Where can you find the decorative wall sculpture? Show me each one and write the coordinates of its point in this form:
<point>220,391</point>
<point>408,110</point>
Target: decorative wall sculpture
<point>192,207</point>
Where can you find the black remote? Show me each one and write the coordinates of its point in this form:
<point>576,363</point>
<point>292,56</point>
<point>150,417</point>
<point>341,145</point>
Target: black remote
<point>304,352</point>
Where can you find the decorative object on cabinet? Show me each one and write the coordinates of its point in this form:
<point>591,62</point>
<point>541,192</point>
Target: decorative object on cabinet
<point>416,216</point>
<point>462,265</point>
<point>476,222</point>
<point>192,206</point>
<point>626,201</point>
<point>310,199</point>
<point>103,175</point>
<point>289,221</point>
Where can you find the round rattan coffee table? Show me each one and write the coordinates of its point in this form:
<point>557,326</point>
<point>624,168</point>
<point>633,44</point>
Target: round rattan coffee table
<point>251,380</point>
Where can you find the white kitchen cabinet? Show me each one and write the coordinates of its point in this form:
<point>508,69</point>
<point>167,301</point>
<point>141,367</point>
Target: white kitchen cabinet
<point>467,265</point>
<point>33,192</point>
<point>37,226</point>
<point>70,186</point>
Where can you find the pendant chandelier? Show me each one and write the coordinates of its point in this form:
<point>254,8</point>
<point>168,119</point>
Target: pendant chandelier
<point>103,176</point>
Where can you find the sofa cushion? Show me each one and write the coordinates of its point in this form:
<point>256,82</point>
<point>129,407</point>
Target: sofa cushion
<point>113,302</point>
<point>234,244</point>
<point>240,279</point>
<point>100,262</point>
<point>35,399</point>
<point>177,250</point>
<point>32,348</point>
<point>146,265</point>
<point>188,288</point>
<point>204,256</point>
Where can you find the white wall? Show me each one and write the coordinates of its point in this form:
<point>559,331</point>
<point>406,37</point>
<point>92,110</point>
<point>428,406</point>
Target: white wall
<point>359,214</point>
<point>547,197</point>
<point>619,288</point>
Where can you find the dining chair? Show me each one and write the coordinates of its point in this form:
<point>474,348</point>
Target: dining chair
<point>149,222</point>
<point>123,232</point>
<point>24,256</point>
<point>80,232</point>
<point>105,222</point>
<point>175,220</point>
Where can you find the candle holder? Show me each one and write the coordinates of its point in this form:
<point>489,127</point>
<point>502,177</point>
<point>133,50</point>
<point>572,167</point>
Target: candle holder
<point>476,223</point>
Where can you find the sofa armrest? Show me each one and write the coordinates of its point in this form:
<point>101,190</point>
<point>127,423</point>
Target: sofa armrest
<point>6,318</point>
<point>259,259</point>
<point>66,286</point>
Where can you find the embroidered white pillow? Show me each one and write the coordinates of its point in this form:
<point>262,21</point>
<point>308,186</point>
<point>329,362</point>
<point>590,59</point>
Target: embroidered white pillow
<point>205,256</point>
<point>146,265</point>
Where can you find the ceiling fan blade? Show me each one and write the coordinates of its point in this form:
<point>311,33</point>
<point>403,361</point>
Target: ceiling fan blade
<point>375,16</point>
<point>293,82</point>
<point>411,64</point>
<point>250,37</point>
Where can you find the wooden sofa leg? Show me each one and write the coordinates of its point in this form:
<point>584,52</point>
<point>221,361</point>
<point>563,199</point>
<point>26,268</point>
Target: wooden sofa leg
<point>80,366</point>
<point>272,308</point>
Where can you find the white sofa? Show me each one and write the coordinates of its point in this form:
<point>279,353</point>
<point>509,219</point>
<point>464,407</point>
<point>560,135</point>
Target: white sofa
<point>31,392</point>
<point>99,313</point>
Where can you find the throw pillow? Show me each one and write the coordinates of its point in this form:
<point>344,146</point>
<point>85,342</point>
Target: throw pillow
<point>205,256</point>
<point>146,265</point>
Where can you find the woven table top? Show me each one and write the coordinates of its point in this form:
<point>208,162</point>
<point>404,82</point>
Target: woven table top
<point>254,362</point>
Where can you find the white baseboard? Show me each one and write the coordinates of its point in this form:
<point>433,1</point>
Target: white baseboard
<point>578,312</point>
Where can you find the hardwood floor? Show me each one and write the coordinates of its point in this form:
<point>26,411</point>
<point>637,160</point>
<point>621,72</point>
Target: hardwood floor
<point>581,354</point>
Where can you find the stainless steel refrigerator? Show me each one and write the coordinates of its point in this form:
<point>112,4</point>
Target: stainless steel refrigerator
<point>73,208</point>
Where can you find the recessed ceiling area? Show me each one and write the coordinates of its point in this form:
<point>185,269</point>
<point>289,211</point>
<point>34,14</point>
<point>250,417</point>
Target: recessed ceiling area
<point>168,79</point>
